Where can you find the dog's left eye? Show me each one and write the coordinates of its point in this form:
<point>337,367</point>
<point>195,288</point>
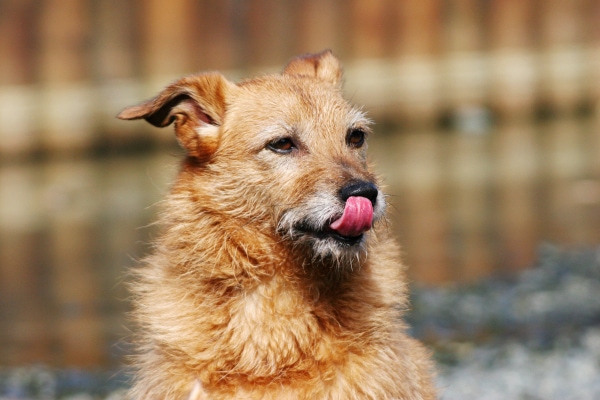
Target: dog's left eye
<point>356,138</point>
<point>281,146</point>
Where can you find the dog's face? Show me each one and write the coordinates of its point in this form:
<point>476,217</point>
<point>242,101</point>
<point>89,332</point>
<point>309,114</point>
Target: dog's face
<point>286,150</point>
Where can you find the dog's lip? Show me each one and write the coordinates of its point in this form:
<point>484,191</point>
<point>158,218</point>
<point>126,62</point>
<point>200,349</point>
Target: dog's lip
<point>345,239</point>
<point>326,232</point>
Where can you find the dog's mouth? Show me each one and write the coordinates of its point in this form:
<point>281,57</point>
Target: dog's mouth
<point>349,227</point>
<point>326,233</point>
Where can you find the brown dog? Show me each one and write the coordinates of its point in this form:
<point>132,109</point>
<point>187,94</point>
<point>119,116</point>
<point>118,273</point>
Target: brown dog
<point>268,282</point>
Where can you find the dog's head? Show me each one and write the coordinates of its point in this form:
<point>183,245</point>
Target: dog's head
<point>284,152</point>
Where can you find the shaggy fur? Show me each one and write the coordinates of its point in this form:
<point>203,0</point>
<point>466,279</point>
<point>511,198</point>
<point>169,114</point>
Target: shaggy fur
<point>248,294</point>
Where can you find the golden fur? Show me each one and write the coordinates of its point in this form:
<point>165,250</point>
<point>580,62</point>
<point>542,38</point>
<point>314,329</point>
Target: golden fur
<point>245,296</point>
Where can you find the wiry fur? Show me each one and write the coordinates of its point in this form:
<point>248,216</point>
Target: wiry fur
<point>238,300</point>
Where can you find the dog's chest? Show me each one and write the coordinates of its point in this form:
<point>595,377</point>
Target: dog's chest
<point>271,328</point>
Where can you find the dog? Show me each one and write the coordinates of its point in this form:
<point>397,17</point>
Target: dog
<point>274,277</point>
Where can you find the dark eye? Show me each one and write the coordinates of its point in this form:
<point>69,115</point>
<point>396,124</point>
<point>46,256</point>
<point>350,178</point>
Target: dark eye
<point>356,138</point>
<point>281,146</point>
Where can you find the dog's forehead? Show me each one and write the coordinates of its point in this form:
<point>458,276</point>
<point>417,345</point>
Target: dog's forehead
<point>294,101</point>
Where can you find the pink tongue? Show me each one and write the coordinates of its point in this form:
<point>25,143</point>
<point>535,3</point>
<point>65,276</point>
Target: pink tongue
<point>356,219</point>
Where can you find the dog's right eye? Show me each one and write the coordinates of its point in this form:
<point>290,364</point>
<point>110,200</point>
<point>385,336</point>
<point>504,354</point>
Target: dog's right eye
<point>356,138</point>
<point>281,146</point>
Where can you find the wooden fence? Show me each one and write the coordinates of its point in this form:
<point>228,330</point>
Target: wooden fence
<point>68,66</point>
<point>464,207</point>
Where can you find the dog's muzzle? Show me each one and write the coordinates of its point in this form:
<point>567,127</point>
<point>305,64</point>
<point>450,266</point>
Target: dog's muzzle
<point>348,225</point>
<point>359,199</point>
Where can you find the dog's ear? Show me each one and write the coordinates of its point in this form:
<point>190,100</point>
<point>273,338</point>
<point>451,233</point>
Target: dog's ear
<point>324,66</point>
<point>196,104</point>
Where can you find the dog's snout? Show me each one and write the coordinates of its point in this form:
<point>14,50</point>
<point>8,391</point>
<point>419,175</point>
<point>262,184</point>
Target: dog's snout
<point>361,189</point>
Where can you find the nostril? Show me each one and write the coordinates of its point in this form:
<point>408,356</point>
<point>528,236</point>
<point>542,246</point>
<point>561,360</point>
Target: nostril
<point>360,189</point>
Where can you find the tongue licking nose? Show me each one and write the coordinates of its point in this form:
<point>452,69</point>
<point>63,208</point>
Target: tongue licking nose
<point>356,219</point>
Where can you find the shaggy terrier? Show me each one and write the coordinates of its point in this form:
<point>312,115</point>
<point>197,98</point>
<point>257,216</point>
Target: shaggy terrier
<point>273,278</point>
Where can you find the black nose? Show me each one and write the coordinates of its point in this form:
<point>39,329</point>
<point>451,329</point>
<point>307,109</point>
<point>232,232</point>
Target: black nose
<point>360,189</point>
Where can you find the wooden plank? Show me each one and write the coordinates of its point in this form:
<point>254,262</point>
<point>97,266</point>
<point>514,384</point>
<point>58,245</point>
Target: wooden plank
<point>592,40</point>
<point>469,170</point>
<point>127,197</point>
<point>428,223</point>
<point>24,307</point>
<point>268,34</point>
<point>116,50</point>
<point>588,195</point>
<point>17,42</point>
<point>562,58</point>
<point>594,145</point>
<point>25,317</point>
<point>562,146</point>
<point>116,63</point>
<point>370,24</point>
<point>72,201</point>
<point>64,36</point>
<point>514,67</point>
<point>417,28</point>
<point>166,38</point>
<point>465,71</point>
<point>319,24</point>
<point>66,102</point>
<point>217,40</point>
<point>463,26</point>
<point>416,40</point>
<point>19,121</point>
<point>516,158</point>
<point>412,165</point>
<point>17,68</point>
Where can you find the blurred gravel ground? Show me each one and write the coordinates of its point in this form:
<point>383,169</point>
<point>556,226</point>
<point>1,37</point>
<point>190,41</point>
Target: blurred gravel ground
<point>534,337</point>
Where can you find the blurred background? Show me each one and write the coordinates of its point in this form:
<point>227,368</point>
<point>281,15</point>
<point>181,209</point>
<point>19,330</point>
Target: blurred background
<point>487,135</point>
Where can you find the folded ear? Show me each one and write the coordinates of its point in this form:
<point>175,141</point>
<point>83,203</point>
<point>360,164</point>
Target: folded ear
<point>324,66</point>
<point>196,104</point>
